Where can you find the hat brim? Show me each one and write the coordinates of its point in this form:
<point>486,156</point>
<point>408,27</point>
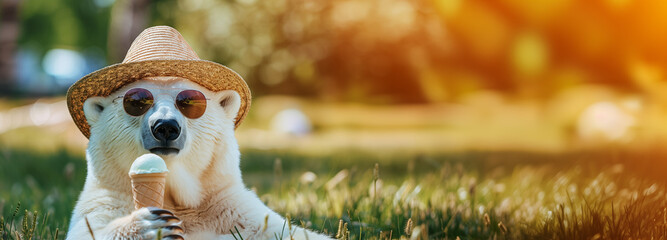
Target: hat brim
<point>103,82</point>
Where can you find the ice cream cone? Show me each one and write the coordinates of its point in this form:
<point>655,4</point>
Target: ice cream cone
<point>148,189</point>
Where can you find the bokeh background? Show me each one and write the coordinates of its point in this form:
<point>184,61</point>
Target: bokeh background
<point>444,74</point>
<point>399,82</point>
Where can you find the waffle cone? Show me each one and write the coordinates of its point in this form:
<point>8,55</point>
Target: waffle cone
<point>148,189</point>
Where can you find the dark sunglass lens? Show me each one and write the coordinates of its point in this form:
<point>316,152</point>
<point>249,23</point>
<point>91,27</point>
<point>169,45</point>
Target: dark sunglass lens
<point>137,101</point>
<point>191,103</point>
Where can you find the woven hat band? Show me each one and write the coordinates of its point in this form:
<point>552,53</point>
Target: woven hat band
<point>160,43</point>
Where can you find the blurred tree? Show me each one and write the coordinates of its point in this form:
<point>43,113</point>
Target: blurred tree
<point>9,33</point>
<point>128,19</point>
<point>77,26</point>
<point>339,50</point>
<point>379,51</point>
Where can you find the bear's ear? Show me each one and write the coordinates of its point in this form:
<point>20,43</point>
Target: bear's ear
<point>93,108</point>
<point>230,101</point>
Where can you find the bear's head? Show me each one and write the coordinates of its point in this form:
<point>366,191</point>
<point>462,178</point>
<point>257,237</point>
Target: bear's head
<point>189,126</point>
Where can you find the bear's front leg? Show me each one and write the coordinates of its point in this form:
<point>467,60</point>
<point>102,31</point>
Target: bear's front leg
<point>140,224</point>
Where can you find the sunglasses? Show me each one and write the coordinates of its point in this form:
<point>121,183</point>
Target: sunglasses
<point>191,103</point>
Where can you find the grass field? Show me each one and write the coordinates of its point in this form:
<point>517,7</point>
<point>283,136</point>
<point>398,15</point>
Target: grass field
<point>470,195</point>
<point>426,184</point>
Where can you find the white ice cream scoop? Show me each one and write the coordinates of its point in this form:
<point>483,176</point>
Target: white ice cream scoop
<point>148,175</point>
<point>148,163</point>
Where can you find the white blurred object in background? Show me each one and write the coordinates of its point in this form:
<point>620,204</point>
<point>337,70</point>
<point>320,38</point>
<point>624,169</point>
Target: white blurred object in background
<point>608,121</point>
<point>66,66</point>
<point>291,121</point>
<point>308,177</point>
<point>40,113</point>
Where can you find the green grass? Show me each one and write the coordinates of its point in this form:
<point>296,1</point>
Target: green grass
<point>470,195</point>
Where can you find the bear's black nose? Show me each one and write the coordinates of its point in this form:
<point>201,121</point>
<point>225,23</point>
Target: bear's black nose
<point>166,130</point>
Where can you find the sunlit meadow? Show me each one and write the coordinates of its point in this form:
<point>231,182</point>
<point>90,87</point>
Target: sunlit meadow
<point>377,119</point>
<point>350,192</point>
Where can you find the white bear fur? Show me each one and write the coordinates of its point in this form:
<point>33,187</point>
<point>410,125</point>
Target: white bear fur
<point>204,185</point>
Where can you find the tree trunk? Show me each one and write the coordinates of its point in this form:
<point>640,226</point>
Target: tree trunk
<point>9,33</point>
<point>128,19</point>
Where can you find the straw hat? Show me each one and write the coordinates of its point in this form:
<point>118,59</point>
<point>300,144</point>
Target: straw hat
<point>157,51</point>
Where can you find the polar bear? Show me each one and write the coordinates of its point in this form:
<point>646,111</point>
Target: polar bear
<point>205,196</point>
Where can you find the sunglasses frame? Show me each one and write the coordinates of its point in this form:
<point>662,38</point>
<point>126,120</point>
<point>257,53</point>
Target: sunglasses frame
<point>175,101</point>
